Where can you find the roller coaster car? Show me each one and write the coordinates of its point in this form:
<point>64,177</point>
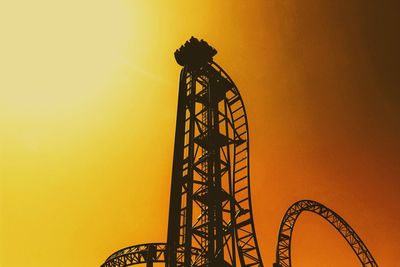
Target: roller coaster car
<point>194,54</point>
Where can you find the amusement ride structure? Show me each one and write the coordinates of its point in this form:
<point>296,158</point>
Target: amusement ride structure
<point>210,216</point>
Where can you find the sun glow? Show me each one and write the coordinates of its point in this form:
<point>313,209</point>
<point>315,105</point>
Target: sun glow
<point>88,96</point>
<point>56,55</point>
<point>65,67</point>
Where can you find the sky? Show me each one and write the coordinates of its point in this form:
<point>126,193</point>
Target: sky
<point>88,97</point>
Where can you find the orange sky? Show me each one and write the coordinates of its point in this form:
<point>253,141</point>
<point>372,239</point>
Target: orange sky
<point>88,95</point>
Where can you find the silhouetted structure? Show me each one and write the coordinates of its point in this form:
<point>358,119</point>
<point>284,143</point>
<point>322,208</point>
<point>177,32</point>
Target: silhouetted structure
<point>283,258</point>
<point>210,206</point>
<point>210,217</point>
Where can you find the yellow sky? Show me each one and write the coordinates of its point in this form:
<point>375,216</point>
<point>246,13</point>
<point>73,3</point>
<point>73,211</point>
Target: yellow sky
<point>88,93</point>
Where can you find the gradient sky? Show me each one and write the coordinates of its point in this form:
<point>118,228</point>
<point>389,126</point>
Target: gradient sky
<point>88,96</point>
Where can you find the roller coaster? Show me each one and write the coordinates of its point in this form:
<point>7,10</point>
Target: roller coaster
<point>283,258</point>
<point>210,215</point>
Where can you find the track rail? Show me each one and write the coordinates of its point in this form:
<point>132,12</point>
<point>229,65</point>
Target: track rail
<point>242,222</point>
<point>211,214</point>
<point>246,240</point>
<point>144,253</point>
<point>211,220</point>
<point>283,250</point>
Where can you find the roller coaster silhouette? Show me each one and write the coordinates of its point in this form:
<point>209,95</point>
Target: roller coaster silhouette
<point>210,216</point>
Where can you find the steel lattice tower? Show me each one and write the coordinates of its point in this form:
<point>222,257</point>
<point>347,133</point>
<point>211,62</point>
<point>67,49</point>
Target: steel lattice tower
<point>210,220</point>
<point>203,208</point>
<point>210,217</point>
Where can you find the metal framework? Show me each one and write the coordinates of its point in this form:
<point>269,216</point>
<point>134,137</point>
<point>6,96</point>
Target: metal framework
<point>210,216</point>
<point>145,253</point>
<point>210,206</point>
<point>283,250</point>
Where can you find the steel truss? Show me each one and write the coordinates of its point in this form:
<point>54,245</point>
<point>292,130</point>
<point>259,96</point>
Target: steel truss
<point>210,215</point>
<point>283,250</point>
<point>210,205</point>
<point>145,253</point>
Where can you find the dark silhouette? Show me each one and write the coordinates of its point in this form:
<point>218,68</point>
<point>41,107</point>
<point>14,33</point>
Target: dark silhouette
<point>210,206</point>
<point>283,258</point>
<point>210,216</point>
<point>194,54</point>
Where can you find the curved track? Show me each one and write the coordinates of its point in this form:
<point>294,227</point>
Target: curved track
<point>283,257</point>
<point>243,223</point>
<point>246,240</point>
<point>242,234</point>
<point>144,253</point>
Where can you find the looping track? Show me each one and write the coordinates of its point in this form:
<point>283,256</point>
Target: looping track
<point>286,229</point>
